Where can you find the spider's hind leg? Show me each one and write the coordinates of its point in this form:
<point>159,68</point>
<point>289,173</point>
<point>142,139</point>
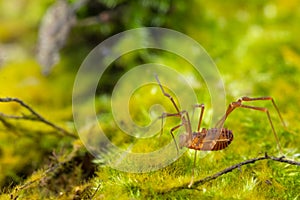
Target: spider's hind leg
<point>239,104</point>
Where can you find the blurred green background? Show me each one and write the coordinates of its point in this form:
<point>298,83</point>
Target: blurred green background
<point>255,45</point>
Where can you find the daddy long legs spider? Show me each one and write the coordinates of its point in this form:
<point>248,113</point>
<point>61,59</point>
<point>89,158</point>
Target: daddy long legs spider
<point>212,139</point>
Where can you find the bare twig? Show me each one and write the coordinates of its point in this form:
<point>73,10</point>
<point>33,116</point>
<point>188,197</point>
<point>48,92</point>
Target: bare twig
<point>95,192</point>
<point>46,174</point>
<point>229,169</point>
<point>34,117</point>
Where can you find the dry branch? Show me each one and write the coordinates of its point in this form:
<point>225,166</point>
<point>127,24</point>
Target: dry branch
<point>229,169</point>
<point>33,117</point>
<point>47,173</point>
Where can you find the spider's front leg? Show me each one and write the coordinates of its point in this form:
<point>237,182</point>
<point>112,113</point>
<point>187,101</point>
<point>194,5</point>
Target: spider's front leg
<point>167,94</point>
<point>185,121</point>
<point>164,115</point>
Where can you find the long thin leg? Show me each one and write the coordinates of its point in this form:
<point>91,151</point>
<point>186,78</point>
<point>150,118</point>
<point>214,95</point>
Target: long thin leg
<point>200,115</point>
<point>266,98</point>
<point>270,120</point>
<point>164,115</point>
<point>233,105</point>
<point>238,104</point>
<point>198,129</point>
<point>183,114</point>
<point>193,170</point>
<point>171,131</point>
<point>185,122</point>
<point>167,94</point>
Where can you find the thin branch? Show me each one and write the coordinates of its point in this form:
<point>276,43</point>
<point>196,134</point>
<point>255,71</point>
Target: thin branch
<point>229,169</point>
<point>284,160</point>
<point>45,173</point>
<point>95,192</point>
<point>69,158</point>
<point>35,116</point>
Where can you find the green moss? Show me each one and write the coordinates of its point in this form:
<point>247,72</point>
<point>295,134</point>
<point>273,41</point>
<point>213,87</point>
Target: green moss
<point>256,48</point>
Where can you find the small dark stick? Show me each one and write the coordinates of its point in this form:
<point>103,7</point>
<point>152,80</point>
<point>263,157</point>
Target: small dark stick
<point>213,139</point>
<point>34,117</point>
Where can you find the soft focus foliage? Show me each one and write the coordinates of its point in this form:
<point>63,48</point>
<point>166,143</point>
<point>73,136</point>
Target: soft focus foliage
<point>256,46</point>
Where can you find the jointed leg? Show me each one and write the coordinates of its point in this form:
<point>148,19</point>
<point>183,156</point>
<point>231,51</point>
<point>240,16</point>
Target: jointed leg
<point>198,129</point>
<point>182,114</point>
<point>193,170</point>
<point>266,98</point>
<point>164,115</point>
<point>185,122</point>
<point>200,116</point>
<point>167,94</point>
<point>178,114</point>
<point>238,104</point>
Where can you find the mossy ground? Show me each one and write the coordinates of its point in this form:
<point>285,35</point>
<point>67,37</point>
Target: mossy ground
<point>256,48</point>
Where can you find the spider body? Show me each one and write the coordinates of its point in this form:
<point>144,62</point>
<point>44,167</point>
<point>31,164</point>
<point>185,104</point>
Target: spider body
<point>205,141</point>
<point>212,139</point>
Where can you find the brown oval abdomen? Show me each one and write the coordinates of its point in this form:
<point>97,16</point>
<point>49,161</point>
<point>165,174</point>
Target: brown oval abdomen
<point>224,140</point>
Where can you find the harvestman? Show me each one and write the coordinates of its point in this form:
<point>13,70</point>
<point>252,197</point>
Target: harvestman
<point>213,139</point>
